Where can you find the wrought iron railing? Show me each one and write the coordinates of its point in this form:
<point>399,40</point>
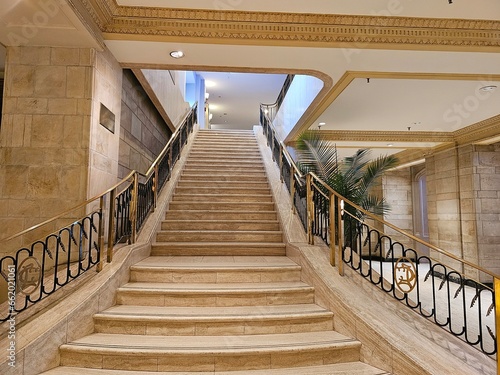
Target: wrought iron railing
<point>37,270</point>
<point>442,287</point>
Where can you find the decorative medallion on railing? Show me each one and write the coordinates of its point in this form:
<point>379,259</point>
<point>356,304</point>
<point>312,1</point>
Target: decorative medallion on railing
<point>405,275</point>
<point>29,275</point>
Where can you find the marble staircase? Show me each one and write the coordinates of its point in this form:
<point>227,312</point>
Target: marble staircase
<point>218,294</point>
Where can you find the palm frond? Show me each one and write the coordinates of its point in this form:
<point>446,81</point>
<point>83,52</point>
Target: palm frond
<point>316,154</point>
<point>375,169</point>
<point>375,205</point>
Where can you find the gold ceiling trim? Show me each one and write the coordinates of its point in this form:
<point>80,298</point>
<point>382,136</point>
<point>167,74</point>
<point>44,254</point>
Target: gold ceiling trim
<point>482,129</point>
<point>387,136</point>
<point>245,27</point>
<point>479,131</point>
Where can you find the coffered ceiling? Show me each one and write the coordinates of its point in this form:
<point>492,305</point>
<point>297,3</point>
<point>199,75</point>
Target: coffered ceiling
<point>426,60</point>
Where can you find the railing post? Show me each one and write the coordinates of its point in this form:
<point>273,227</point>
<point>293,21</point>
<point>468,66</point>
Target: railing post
<point>100,265</point>
<point>340,231</point>
<point>496,290</point>
<point>272,146</point>
<point>133,208</point>
<point>281,163</point>
<point>310,213</point>
<point>111,225</point>
<point>155,186</point>
<point>332,227</point>
<point>292,189</point>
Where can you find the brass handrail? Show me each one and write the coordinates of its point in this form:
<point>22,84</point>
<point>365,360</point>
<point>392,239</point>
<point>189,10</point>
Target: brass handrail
<point>81,205</point>
<point>336,206</point>
<point>170,141</point>
<point>128,177</point>
<point>401,231</point>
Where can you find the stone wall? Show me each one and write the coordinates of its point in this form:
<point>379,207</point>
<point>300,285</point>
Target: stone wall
<point>104,144</point>
<point>54,152</point>
<point>485,175</point>
<point>397,191</point>
<point>44,136</point>
<point>443,204</point>
<point>143,132</point>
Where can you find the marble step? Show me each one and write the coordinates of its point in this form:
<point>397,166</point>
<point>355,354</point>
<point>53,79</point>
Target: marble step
<point>215,269</point>
<point>221,172</point>
<point>185,182</point>
<point>218,248</point>
<point>191,190</point>
<point>223,168</point>
<point>223,206</point>
<point>350,368</point>
<point>218,156</point>
<point>218,235</point>
<point>228,167</point>
<point>221,197</point>
<point>208,177</point>
<point>204,353</point>
<point>221,294</point>
<point>220,215</point>
<point>269,225</point>
<point>216,147</point>
<point>213,321</point>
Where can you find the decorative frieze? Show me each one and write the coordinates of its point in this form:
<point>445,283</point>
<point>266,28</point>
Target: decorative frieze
<point>359,31</point>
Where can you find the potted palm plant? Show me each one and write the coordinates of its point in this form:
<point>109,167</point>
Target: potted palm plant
<point>353,178</point>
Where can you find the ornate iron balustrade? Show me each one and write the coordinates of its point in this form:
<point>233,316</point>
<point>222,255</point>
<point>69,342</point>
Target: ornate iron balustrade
<point>445,291</point>
<point>36,271</point>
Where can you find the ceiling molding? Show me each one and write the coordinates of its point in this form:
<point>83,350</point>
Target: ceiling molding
<point>478,132</point>
<point>384,136</point>
<point>272,28</point>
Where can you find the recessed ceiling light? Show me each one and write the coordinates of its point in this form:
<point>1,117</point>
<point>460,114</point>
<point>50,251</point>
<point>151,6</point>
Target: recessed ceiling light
<point>390,145</point>
<point>322,123</point>
<point>488,88</point>
<point>209,83</point>
<point>177,54</point>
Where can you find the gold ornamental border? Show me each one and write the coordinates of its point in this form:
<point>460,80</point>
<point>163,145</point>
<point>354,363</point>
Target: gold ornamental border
<point>295,29</point>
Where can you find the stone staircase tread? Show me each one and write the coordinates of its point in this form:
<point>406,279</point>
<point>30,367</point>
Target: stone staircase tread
<point>208,313</point>
<point>137,345</point>
<point>222,221</point>
<point>204,288</point>
<point>221,231</point>
<point>221,244</point>
<point>208,195</point>
<point>351,368</point>
<point>216,262</point>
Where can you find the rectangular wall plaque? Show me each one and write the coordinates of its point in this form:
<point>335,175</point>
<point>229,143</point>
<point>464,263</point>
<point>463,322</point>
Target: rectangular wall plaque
<point>107,118</point>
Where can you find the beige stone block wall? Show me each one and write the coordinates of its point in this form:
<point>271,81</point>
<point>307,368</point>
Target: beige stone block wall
<point>485,176</point>
<point>44,135</point>
<point>143,131</point>
<point>443,199</point>
<point>104,144</point>
<point>397,191</point>
<point>168,87</point>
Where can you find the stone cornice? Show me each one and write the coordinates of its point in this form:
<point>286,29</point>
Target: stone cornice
<point>385,136</point>
<point>479,131</point>
<point>240,27</point>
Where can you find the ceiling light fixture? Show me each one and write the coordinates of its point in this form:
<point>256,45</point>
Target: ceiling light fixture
<point>177,54</point>
<point>390,145</point>
<point>488,88</point>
